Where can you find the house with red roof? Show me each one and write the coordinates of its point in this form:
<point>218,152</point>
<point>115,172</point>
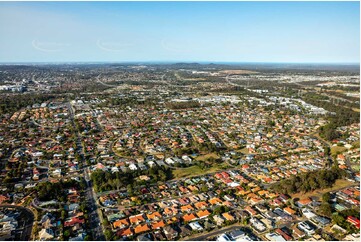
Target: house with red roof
<point>225,174</point>
<point>73,221</point>
<point>3,198</point>
<point>158,225</point>
<point>283,234</point>
<point>189,217</point>
<point>304,202</point>
<point>218,176</point>
<point>141,228</point>
<point>125,232</point>
<point>354,221</point>
<point>203,214</point>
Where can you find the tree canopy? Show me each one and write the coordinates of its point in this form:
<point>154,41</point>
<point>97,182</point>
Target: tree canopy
<point>309,181</point>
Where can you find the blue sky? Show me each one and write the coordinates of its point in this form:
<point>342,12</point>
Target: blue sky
<point>180,31</point>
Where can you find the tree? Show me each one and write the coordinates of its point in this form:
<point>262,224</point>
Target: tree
<point>83,207</point>
<point>326,209</point>
<point>204,188</point>
<point>220,209</point>
<point>271,123</point>
<point>63,214</point>
<point>66,233</point>
<point>88,238</point>
<point>310,181</point>
<point>327,150</point>
<point>130,190</point>
<point>105,222</point>
<point>108,234</point>
<point>326,197</point>
<point>337,218</point>
<point>351,212</point>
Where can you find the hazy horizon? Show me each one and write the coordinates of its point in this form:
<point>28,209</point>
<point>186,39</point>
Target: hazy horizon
<point>179,62</point>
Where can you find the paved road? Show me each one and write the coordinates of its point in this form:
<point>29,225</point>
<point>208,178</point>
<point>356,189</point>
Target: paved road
<point>35,205</point>
<point>95,215</point>
<point>348,163</point>
<point>105,84</point>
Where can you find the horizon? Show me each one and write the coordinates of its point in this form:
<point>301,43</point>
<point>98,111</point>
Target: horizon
<point>261,66</point>
<point>173,32</point>
<point>180,62</point>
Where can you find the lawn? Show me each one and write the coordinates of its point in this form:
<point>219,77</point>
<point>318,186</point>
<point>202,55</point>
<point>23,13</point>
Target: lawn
<point>356,167</point>
<point>207,156</point>
<point>336,149</point>
<point>120,154</point>
<point>339,184</point>
<point>244,151</point>
<point>356,144</point>
<point>196,170</point>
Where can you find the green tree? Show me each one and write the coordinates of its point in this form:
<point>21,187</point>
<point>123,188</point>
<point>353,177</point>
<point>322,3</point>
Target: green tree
<point>326,197</point>
<point>130,190</point>
<point>66,233</point>
<point>326,209</point>
<point>337,218</point>
<point>108,234</point>
<point>105,222</point>
<point>88,238</point>
<point>327,150</point>
<point>63,214</point>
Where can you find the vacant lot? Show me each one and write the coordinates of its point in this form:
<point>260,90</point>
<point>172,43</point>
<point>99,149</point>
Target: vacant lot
<point>207,156</point>
<point>244,151</point>
<point>196,170</point>
<point>337,149</point>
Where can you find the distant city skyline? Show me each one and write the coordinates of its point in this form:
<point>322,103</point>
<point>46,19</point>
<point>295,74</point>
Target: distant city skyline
<point>248,32</point>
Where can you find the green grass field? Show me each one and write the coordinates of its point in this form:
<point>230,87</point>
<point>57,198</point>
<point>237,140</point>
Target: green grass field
<point>356,144</point>
<point>196,170</point>
<point>207,156</point>
<point>335,149</point>
<point>356,167</point>
<point>244,151</point>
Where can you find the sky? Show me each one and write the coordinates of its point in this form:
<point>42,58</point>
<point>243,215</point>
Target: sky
<point>299,32</point>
